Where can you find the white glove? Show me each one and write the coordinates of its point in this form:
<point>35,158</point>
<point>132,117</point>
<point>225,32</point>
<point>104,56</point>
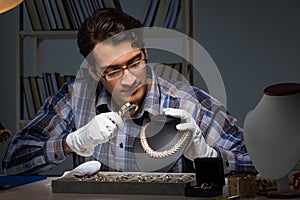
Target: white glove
<point>198,147</point>
<point>85,169</point>
<point>99,130</point>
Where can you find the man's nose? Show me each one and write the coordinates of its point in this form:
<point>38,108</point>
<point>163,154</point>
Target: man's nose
<point>128,78</point>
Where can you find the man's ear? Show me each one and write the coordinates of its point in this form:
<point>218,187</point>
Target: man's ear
<point>92,72</point>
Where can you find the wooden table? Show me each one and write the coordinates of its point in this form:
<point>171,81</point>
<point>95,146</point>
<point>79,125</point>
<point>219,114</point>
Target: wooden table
<point>41,190</point>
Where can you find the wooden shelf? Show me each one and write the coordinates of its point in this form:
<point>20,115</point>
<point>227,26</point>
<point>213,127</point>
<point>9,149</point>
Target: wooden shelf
<point>72,34</point>
<point>40,36</point>
<point>65,34</point>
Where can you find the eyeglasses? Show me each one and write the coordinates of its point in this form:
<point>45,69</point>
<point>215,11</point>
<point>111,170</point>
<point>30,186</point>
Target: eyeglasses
<point>115,74</point>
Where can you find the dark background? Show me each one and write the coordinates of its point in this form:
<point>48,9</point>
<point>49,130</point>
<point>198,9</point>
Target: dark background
<point>254,43</point>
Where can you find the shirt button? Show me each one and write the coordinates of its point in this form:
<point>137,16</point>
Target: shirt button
<point>121,145</point>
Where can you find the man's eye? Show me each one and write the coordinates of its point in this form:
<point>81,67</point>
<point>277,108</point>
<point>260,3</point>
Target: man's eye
<point>114,73</point>
<point>110,69</point>
<point>136,64</point>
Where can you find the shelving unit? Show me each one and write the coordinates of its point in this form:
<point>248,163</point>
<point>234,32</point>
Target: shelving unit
<point>40,36</point>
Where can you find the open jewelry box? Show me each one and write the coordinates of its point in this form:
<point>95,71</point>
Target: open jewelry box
<point>138,183</point>
<point>168,146</point>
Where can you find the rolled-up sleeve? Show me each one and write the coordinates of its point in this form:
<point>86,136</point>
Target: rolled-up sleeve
<point>39,146</point>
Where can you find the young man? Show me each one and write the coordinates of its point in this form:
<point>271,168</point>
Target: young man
<point>82,119</point>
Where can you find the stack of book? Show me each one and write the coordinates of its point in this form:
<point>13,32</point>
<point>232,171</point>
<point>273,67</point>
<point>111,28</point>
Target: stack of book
<point>46,15</point>
<point>162,13</point>
<point>37,88</point>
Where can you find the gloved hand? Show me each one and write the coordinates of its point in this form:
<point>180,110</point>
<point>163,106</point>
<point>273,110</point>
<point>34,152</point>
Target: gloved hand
<point>198,148</point>
<point>85,169</point>
<point>99,130</point>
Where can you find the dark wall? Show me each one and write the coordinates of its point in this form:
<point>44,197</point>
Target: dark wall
<point>8,35</point>
<point>254,43</point>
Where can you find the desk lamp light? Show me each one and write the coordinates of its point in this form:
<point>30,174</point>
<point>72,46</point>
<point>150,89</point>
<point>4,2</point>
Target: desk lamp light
<point>272,136</point>
<point>6,5</point>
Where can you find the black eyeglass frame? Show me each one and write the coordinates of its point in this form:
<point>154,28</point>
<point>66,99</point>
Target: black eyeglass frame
<point>139,65</point>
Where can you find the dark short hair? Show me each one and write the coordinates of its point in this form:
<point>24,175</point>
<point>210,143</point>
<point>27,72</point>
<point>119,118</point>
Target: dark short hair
<point>105,23</point>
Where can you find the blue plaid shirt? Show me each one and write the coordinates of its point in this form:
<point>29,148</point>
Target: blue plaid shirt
<point>40,145</point>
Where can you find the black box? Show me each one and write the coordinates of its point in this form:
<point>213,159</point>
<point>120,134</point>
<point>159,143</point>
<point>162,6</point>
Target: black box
<point>209,178</point>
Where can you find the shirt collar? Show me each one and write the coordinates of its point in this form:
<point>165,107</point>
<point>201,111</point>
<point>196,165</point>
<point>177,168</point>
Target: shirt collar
<point>151,103</point>
<point>104,98</point>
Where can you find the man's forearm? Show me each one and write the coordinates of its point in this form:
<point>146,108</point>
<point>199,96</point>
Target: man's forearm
<point>27,157</point>
<point>236,162</point>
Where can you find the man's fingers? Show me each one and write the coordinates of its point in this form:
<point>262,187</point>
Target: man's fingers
<point>115,118</point>
<point>174,112</point>
<point>185,127</point>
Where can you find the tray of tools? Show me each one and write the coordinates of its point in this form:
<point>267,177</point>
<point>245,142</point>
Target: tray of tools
<point>137,183</point>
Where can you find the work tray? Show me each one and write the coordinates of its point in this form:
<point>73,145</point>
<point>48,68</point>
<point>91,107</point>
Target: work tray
<point>126,183</point>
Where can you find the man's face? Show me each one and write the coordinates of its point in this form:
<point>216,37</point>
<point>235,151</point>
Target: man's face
<point>132,85</point>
